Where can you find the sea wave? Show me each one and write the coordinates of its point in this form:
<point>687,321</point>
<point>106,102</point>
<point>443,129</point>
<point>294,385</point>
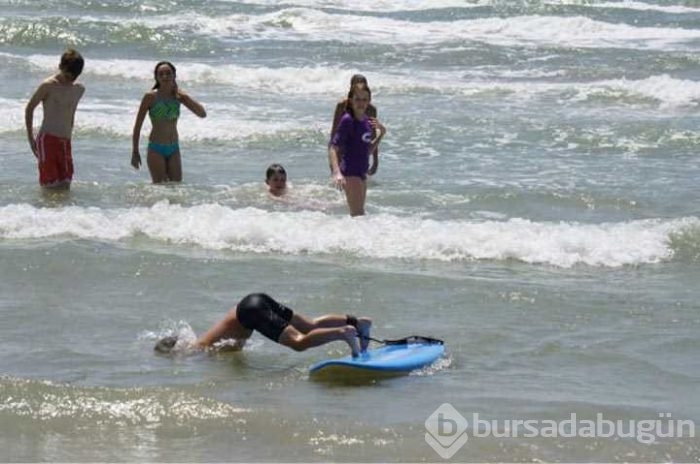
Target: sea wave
<point>82,32</point>
<point>381,236</point>
<point>310,25</point>
<point>379,6</point>
<point>193,30</point>
<point>637,6</point>
<point>253,119</point>
<point>324,80</point>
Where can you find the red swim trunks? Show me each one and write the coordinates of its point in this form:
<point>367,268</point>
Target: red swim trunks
<point>55,160</point>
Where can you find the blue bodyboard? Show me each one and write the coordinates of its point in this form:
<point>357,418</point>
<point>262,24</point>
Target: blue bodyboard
<point>396,359</point>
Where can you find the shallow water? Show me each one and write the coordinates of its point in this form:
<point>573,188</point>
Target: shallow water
<point>536,207</point>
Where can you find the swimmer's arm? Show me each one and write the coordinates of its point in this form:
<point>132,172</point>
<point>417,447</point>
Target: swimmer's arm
<point>338,178</point>
<point>39,96</point>
<point>191,104</point>
<point>339,110</point>
<point>375,162</point>
<point>146,102</point>
<point>237,345</point>
<point>80,95</point>
<point>372,113</point>
<point>226,328</point>
<point>334,157</point>
<point>378,126</point>
<point>334,154</point>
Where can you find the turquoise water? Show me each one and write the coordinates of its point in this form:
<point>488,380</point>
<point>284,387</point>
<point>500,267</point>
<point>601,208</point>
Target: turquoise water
<point>536,206</point>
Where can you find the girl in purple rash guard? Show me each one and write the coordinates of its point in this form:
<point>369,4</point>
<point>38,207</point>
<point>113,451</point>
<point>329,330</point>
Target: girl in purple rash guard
<point>355,138</point>
<point>341,108</point>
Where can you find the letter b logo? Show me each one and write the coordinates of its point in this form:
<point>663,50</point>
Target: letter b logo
<point>446,430</point>
<point>446,427</point>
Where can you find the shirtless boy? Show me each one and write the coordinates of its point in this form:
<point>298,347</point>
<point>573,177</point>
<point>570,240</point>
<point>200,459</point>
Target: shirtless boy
<point>59,94</point>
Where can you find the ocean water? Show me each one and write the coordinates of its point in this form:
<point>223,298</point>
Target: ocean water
<point>537,206</point>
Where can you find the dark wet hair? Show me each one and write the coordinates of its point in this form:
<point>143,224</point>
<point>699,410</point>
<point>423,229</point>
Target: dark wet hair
<point>165,345</point>
<point>275,169</point>
<point>357,79</point>
<point>72,62</point>
<point>155,71</point>
<point>357,87</point>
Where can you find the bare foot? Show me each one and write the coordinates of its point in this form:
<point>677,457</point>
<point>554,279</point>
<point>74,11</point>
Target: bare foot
<point>350,336</point>
<point>364,324</point>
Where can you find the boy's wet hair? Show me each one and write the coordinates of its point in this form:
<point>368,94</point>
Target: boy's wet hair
<point>155,71</point>
<point>165,345</point>
<point>275,169</point>
<point>72,62</point>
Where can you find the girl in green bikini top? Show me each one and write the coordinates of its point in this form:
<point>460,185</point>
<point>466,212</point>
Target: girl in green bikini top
<point>162,103</point>
<point>164,110</point>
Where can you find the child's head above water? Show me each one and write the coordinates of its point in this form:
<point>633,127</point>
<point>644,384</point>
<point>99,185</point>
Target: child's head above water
<point>71,63</point>
<point>276,179</point>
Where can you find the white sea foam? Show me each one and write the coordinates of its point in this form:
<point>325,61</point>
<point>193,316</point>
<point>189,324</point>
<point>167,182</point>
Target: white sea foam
<point>376,6</point>
<point>418,5</point>
<point>317,79</point>
<point>327,80</point>
<point>229,124</point>
<point>12,116</point>
<point>116,116</point>
<point>632,5</point>
<point>667,90</point>
<point>314,25</point>
<point>252,230</point>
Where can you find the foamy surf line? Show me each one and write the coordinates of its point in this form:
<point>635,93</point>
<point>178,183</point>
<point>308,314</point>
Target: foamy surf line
<point>115,116</point>
<point>381,236</point>
<point>301,24</point>
<point>325,80</point>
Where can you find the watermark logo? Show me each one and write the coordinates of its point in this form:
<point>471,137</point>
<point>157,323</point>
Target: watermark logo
<point>447,430</point>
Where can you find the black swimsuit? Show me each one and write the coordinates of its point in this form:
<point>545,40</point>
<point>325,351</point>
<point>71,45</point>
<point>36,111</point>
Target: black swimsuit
<point>260,312</point>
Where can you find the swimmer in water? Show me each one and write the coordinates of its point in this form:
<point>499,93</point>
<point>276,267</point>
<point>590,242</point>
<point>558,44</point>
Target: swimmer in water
<point>259,311</point>
<point>276,180</point>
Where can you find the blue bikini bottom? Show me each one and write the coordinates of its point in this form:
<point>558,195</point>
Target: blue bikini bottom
<point>166,150</point>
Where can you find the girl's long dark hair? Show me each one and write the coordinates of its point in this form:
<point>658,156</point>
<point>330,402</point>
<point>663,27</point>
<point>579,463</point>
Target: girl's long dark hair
<point>155,71</point>
<point>358,79</point>
<point>355,80</point>
<point>355,88</point>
